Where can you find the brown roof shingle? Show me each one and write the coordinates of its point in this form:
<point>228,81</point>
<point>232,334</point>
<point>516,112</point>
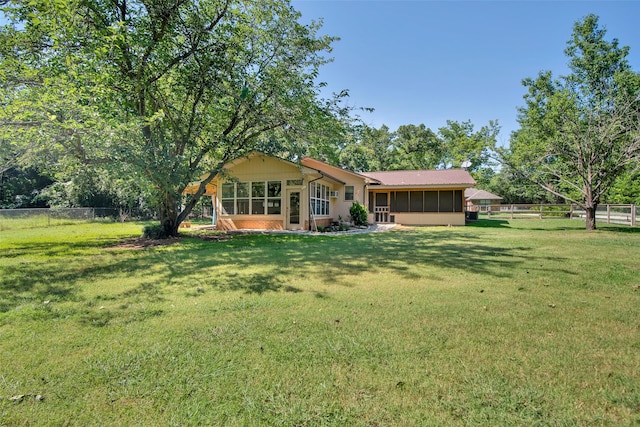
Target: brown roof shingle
<point>423,177</point>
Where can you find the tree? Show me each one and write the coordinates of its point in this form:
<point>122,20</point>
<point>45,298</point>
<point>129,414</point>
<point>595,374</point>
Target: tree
<point>374,150</point>
<point>464,146</point>
<point>417,147</point>
<point>167,90</point>
<point>580,132</point>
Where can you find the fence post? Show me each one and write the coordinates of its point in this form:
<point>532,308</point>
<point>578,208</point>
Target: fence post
<point>540,210</point>
<point>511,211</point>
<point>608,214</point>
<point>571,211</point>
<point>633,215</point>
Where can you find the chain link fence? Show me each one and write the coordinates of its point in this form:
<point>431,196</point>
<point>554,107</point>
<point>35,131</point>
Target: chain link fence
<point>48,217</point>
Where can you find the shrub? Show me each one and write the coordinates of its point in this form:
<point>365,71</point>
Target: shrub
<point>154,231</point>
<point>358,214</point>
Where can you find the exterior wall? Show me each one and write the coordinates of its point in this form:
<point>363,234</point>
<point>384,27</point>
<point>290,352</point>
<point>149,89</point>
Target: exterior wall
<point>252,223</point>
<point>261,168</point>
<point>323,222</point>
<point>411,218</point>
<point>339,206</point>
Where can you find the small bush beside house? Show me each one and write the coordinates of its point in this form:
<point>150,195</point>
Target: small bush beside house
<point>358,214</point>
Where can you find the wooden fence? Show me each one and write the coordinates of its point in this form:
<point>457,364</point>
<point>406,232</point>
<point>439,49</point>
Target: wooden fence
<point>609,213</point>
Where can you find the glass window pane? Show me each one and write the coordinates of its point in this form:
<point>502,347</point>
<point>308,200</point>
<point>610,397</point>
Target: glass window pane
<point>275,188</point>
<point>227,190</point>
<point>257,189</point>
<point>257,206</point>
<point>348,192</point>
<point>242,189</point>
<point>243,207</point>
<point>227,207</point>
<point>274,207</point>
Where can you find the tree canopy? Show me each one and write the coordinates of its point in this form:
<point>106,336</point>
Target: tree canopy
<point>579,133</point>
<point>163,91</point>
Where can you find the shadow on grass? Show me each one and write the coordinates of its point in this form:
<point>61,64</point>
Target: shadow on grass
<point>488,223</point>
<point>257,264</point>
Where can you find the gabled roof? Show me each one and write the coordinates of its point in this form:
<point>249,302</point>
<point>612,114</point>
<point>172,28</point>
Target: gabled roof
<point>331,170</point>
<point>475,194</point>
<point>423,178</point>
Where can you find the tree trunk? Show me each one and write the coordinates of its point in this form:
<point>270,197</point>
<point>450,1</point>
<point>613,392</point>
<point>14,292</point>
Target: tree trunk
<point>169,215</point>
<point>591,217</point>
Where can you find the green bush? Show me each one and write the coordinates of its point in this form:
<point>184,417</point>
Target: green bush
<point>358,214</point>
<point>154,231</point>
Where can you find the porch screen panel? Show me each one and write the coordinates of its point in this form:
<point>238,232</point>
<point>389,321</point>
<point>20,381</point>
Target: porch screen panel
<point>370,201</point>
<point>431,201</point>
<point>415,201</point>
<point>381,199</point>
<point>402,201</point>
<point>446,201</point>
<point>457,203</point>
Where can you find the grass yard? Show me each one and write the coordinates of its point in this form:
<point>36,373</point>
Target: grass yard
<point>498,323</point>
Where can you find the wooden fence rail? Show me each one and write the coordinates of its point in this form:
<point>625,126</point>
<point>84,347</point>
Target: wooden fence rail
<point>609,213</point>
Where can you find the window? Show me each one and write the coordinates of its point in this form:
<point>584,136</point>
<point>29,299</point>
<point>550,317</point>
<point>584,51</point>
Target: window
<point>348,192</point>
<point>319,200</point>
<point>257,198</point>
<point>274,197</point>
<point>242,198</point>
<point>252,198</point>
<point>228,198</point>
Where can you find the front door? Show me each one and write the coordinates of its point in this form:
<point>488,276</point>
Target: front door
<point>293,211</point>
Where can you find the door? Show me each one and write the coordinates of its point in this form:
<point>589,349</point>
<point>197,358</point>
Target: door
<point>294,220</point>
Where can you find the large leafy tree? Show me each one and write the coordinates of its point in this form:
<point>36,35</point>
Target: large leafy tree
<point>464,146</point>
<point>417,147</point>
<point>163,90</point>
<point>579,133</point>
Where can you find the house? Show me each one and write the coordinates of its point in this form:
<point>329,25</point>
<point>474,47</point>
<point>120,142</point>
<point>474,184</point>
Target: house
<point>477,200</point>
<point>259,191</point>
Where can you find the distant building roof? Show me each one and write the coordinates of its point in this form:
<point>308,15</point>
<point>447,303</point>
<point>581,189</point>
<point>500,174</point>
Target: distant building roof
<point>475,194</point>
<point>423,178</point>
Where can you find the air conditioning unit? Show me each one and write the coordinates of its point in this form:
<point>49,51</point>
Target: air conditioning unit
<point>333,194</point>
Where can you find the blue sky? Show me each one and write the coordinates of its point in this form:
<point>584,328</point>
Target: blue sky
<point>432,61</point>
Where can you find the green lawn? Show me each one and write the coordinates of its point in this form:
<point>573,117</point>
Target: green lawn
<point>498,323</point>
